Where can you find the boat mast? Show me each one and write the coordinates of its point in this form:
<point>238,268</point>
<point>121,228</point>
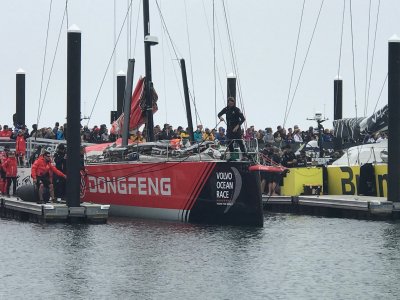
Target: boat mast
<point>148,84</point>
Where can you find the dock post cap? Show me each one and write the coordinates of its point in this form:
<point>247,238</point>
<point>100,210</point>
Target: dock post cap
<point>231,75</point>
<point>121,73</point>
<point>74,28</point>
<point>20,71</point>
<point>394,39</point>
<point>338,77</point>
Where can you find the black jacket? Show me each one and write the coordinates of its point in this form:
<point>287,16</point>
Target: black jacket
<point>233,117</point>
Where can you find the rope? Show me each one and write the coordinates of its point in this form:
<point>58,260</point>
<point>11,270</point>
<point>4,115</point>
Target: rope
<point>352,51</point>
<point>304,62</point>
<point>114,56</point>
<point>380,94</point>
<point>164,77</point>
<point>211,41</point>
<point>137,27</point>
<point>341,39</point>
<point>340,48</point>
<point>294,60</point>
<point>52,63</point>
<point>234,61</point>
<point>44,62</point>
<point>190,58</point>
<point>354,71</point>
<point>176,58</point>
<point>108,65</point>
<point>214,62</point>
<point>366,65</point>
<point>373,55</point>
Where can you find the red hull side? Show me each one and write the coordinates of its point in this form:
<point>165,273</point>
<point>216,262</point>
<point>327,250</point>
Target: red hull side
<point>170,185</point>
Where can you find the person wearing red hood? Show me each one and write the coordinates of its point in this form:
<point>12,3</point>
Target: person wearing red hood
<point>20,147</point>
<point>10,168</point>
<point>42,175</point>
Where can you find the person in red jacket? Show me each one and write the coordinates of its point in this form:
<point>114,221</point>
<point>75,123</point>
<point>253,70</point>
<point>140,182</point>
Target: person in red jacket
<point>20,147</point>
<point>2,175</point>
<point>10,167</point>
<point>42,175</point>
<point>5,132</point>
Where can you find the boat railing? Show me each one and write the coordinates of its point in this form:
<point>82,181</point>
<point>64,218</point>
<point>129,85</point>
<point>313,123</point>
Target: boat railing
<point>178,150</point>
<point>34,144</point>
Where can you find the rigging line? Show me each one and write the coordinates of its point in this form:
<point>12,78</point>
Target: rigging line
<point>197,115</point>
<point>164,77</point>
<point>44,61</point>
<point>130,31</point>
<point>236,67</point>
<point>114,56</point>
<point>340,48</point>
<point>294,59</point>
<point>166,30</point>
<point>354,70</point>
<point>137,26</point>
<point>127,32</point>
<point>373,52</point>
<point>305,59</point>
<point>352,51</point>
<point>52,64</point>
<point>66,9</point>
<point>366,65</point>
<point>210,39</point>
<point>233,57</point>
<point>221,47</point>
<point>190,55</point>
<point>108,65</point>
<point>380,94</point>
<point>341,39</point>
<point>214,61</point>
<point>171,44</point>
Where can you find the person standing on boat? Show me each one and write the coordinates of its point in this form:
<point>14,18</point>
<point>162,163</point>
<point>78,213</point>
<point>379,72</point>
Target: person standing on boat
<point>234,119</point>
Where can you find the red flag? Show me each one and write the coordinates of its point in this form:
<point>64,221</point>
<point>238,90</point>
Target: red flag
<point>137,116</point>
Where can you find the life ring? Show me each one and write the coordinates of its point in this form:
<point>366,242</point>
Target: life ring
<point>270,169</point>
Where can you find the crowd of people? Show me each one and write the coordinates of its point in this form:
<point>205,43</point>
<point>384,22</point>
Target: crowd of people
<point>275,146</point>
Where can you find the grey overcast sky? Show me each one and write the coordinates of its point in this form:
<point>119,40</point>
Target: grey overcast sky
<point>264,35</point>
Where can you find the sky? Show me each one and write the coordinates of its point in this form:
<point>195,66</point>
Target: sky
<point>264,37</point>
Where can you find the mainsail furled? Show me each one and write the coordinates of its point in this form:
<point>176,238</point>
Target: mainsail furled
<point>356,127</point>
<point>138,106</point>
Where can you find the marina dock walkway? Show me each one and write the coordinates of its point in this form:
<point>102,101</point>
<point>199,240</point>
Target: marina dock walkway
<point>15,208</point>
<point>347,206</point>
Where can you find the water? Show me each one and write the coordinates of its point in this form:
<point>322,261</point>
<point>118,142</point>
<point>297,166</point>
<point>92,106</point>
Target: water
<point>292,257</point>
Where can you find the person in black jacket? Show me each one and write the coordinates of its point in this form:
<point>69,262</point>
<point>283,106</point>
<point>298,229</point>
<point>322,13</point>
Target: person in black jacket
<point>60,160</point>
<point>234,119</point>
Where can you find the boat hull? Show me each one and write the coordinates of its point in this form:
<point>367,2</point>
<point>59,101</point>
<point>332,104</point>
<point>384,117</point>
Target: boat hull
<point>197,192</point>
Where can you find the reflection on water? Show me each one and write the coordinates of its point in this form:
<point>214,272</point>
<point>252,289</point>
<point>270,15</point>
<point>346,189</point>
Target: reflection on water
<point>292,257</point>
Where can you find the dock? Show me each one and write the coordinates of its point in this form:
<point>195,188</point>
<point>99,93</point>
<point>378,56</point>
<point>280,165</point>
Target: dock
<point>15,208</point>
<point>341,206</point>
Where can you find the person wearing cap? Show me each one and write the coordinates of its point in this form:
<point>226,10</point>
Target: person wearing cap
<point>234,119</point>
<point>42,174</point>
<point>20,147</point>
